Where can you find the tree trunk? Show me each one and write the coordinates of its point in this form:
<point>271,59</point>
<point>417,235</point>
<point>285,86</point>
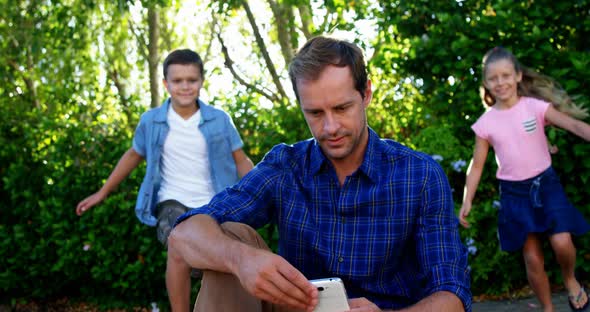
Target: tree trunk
<point>153,54</point>
<point>282,15</point>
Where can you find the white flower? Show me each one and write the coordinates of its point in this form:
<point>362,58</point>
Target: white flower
<point>496,204</point>
<point>459,165</point>
<point>155,307</point>
<point>86,247</point>
<point>471,246</point>
<point>437,157</point>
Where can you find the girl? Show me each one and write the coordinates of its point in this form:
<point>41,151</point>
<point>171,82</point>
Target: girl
<point>533,203</point>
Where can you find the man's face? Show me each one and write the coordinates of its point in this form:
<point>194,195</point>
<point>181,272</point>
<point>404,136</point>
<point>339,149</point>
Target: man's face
<point>335,113</point>
<point>184,83</point>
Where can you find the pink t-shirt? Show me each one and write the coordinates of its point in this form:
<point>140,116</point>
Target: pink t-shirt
<point>518,138</point>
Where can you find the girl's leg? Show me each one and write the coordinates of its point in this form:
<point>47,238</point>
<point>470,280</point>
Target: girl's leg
<point>565,252</point>
<point>535,269</point>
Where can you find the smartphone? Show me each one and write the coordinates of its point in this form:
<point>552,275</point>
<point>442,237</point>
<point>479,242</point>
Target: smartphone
<point>332,295</point>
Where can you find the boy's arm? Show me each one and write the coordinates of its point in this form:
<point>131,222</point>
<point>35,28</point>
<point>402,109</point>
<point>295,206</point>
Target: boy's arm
<point>129,161</point>
<point>243,163</point>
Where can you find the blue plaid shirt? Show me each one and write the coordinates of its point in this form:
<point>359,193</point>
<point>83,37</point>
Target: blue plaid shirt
<point>390,232</point>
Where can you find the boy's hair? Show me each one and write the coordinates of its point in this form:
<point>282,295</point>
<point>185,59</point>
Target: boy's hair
<point>183,57</point>
<point>320,52</point>
<point>533,84</point>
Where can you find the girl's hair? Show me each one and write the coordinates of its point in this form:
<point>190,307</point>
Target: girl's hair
<point>533,84</point>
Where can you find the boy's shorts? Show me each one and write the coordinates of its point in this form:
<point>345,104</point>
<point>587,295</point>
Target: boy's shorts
<point>167,212</point>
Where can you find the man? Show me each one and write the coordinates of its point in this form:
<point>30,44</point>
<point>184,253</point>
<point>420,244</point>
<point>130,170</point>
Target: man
<point>192,150</point>
<point>346,204</point>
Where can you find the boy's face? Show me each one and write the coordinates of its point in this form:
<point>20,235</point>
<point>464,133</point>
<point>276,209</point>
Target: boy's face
<point>184,84</point>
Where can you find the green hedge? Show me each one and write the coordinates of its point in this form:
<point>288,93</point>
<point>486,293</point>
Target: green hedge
<point>51,159</point>
<point>433,49</point>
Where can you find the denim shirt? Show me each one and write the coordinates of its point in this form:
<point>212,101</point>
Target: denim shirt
<point>222,139</point>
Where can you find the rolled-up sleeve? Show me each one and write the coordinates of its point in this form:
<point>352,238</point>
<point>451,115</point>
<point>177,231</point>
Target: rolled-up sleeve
<point>250,201</point>
<point>139,140</point>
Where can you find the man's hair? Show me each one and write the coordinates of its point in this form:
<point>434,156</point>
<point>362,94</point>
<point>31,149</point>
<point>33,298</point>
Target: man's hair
<point>320,52</point>
<point>533,84</point>
<point>183,57</point>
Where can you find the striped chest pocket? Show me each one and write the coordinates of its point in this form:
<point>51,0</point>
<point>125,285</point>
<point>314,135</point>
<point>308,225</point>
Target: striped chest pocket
<point>530,125</point>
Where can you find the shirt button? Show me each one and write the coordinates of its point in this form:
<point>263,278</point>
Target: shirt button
<point>340,259</point>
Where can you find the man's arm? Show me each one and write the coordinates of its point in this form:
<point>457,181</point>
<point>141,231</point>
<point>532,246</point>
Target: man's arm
<point>199,242</point>
<point>243,162</point>
<point>438,301</point>
<point>441,255</point>
<point>129,161</point>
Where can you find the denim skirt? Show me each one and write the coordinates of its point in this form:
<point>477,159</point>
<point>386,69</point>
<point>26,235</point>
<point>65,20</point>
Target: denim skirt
<point>536,205</point>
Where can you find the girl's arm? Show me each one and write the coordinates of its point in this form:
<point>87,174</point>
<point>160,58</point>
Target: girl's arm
<point>473,176</point>
<point>568,123</point>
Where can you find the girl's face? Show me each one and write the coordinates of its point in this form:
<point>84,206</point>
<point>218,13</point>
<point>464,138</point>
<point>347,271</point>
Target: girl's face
<point>501,79</point>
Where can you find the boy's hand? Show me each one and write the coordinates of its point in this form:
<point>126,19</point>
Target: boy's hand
<point>89,202</point>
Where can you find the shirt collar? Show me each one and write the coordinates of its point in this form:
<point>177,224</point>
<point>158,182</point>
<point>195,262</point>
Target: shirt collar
<point>206,111</point>
<point>368,167</point>
<point>162,111</point>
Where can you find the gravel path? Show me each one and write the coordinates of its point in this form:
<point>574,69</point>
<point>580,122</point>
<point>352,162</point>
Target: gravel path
<point>524,304</point>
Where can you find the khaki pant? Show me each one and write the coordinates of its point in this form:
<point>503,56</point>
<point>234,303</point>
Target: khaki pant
<point>222,292</point>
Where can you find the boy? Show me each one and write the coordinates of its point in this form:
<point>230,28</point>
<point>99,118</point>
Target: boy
<point>192,150</point>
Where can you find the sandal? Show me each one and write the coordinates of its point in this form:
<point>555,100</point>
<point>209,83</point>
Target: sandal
<point>577,298</point>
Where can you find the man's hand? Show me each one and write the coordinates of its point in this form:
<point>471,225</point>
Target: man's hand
<point>362,305</point>
<point>271,278</point>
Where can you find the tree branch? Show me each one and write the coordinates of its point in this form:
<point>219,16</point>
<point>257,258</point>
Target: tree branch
<point>281,15</point>
<point>269,64</point>
<point>307,26</point>
<point>121,90</point>
<point>139,38</point>
<point>230,65</point>
<point>212,25</point>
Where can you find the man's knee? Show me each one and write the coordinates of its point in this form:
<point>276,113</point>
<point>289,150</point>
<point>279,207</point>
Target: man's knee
<point>167,213</point>
<point>244,233</point>
<point>173,241</point>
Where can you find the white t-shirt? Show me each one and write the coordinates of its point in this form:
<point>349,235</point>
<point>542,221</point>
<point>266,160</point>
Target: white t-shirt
<point>186,176</point>
<point>518,138</point>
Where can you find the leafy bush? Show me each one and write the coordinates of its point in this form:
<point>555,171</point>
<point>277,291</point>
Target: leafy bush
<point>425,74</point>
<point>434,50</point>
